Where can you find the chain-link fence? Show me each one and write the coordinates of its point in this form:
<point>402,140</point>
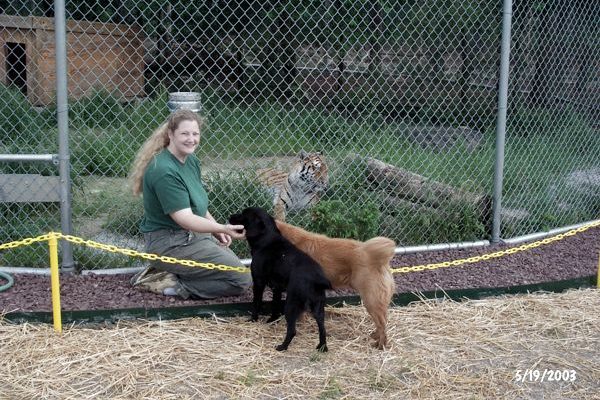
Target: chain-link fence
<point>400,99</point>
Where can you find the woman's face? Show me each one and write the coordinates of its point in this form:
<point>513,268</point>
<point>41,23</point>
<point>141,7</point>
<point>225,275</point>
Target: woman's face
<point>184,140</point>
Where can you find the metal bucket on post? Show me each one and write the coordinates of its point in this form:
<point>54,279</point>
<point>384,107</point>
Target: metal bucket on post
<point>184,100</point>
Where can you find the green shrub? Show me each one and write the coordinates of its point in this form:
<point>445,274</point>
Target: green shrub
<point>229,193</point>
<point>23,129</point>
<point>335,219</point>
<point>144,117</point>
<point>346,210</point>
<point>99,110</point>
<point>15,112</point>
<point>450,223</point>
<point>105,153</point>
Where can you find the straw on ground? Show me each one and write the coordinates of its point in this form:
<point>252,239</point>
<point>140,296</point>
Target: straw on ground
<point>439,350</point>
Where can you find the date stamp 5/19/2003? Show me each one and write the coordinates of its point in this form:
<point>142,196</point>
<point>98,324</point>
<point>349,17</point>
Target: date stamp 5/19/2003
<point>545,375</point>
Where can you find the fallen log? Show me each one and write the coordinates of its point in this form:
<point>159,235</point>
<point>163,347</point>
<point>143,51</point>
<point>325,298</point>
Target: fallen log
<point>416,188</point>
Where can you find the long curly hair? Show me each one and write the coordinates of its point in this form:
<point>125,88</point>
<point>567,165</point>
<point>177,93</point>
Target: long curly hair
<point>155,143</point>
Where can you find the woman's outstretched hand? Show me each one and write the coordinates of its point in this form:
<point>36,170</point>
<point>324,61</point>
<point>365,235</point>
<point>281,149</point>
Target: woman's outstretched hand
<point>230,232</point>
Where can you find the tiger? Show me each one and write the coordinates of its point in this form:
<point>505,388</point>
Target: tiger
<point>299,188</point>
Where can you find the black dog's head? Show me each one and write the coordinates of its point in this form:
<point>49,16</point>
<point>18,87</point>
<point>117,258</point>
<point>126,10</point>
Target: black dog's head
<point>256,221</point>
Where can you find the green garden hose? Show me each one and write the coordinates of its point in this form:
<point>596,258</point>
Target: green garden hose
<point>9,281</point>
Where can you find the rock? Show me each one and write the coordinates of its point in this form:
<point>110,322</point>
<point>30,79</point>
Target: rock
<point>585,181</point>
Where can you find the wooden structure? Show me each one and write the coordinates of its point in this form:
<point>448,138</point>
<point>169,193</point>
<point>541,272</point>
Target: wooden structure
<point>99,56</point>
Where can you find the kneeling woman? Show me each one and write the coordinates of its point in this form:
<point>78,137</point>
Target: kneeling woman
<point>176,220</point>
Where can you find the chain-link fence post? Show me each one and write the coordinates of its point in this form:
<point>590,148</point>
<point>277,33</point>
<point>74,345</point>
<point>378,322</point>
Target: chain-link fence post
<point>62,114</point>
<point>501,119</point>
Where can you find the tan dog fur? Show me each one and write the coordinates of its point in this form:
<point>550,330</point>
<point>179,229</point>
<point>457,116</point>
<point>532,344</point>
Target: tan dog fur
<point>363,266</point>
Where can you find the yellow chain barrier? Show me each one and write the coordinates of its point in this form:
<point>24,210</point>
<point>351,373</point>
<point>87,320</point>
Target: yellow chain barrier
<point>52,238</point>
<point>149,256</point>
<point>497,254</point>
<point>25,242</point>
<point>127,252</point>
<point>220,267</point>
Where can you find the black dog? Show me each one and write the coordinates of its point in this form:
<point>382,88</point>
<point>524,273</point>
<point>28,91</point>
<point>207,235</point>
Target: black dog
<point>277,263</point>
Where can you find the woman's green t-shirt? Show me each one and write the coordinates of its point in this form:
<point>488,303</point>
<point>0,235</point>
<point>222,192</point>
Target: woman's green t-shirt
<point>170,186</point>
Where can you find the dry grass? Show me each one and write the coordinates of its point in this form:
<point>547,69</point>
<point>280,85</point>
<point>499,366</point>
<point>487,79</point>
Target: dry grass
<point>440,350</point>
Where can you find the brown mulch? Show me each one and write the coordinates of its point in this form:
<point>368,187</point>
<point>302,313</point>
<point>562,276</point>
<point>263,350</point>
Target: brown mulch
<point>573,257</point>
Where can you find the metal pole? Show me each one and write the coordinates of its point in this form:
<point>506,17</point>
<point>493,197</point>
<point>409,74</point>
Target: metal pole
<point>501,119</point>
<point>62,115</point>
<point>53,158</point>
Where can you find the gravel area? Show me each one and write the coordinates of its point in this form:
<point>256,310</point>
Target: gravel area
<point>573,257</point>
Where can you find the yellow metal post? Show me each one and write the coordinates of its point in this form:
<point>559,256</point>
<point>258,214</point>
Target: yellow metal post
<point>56,315</point>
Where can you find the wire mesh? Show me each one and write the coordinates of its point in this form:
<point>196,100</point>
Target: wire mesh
<point>398,97</point>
